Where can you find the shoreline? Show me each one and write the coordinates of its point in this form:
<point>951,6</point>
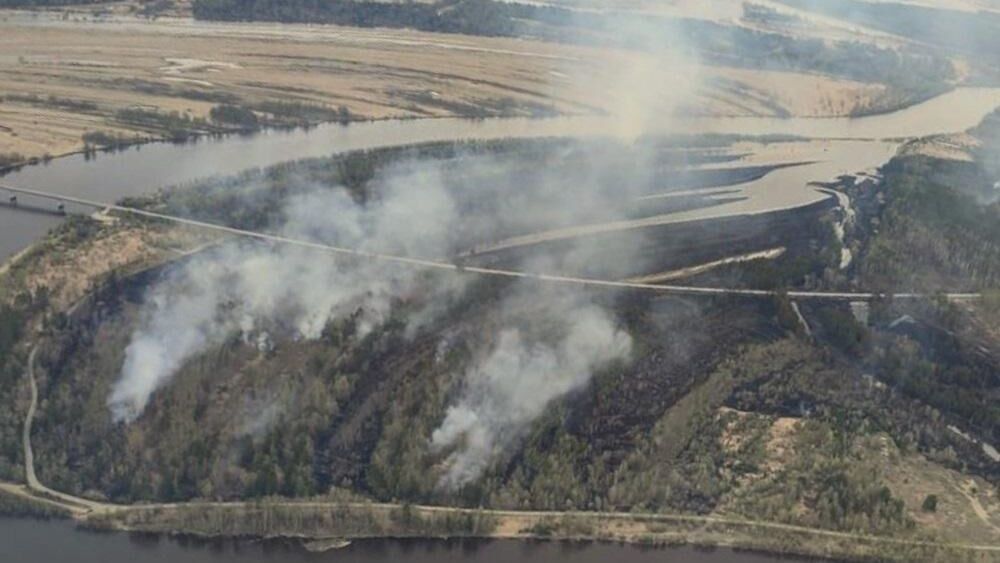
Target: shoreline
<point>195,137</point>
<point>238,520</point>
<point>330,546</point>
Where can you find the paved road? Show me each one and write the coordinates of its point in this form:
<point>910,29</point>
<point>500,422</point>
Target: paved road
<point>442,265</point>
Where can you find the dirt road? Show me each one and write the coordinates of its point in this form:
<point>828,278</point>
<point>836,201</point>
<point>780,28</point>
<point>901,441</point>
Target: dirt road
<point>70,502</point>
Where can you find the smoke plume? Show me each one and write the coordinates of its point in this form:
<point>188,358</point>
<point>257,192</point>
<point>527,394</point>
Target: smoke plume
<point>505,391</point>
<point>511,386</point>
<point>245,288</point>
<point>436,209</point>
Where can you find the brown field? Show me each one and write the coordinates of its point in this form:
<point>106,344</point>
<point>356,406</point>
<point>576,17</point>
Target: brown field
<point>175,64</point>
<point>968,510</point>
<point>68,267</point>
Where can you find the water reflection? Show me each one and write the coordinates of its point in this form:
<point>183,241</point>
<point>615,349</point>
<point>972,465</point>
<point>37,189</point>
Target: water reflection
<point>58,542</point>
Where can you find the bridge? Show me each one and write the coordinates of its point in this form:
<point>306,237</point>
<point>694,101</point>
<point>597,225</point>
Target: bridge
<point>471,269</point>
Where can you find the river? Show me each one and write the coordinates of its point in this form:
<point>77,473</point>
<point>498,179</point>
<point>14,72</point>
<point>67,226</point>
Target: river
<point>145,168</point>
<point>59,542</point>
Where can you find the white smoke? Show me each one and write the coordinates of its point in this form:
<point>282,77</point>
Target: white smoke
<point>425,211</point>
<point>515,382</point>
<point>235,288</point>
<point>643,90</point>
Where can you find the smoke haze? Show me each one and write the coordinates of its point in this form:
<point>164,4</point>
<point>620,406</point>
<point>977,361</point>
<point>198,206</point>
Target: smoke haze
<point>511,386</point>
<point>244,287</point>
<point>433,210</point>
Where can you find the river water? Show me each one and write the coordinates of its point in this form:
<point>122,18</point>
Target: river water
<point>145,168</point>
<point>31,541</point>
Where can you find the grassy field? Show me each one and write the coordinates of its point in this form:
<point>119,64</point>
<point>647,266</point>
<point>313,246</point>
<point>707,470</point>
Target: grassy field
<point>63,77</point>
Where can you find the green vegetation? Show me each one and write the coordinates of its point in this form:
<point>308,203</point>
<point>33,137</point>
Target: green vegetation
<point>935,226</point>
<point>933,233</point>
<point>843,331</point>
<point>13,317</point>
<point>803,268</point>
<point>155,8</point>
<point>11,324</point>
<point>224,118</point>
<point>302,113</point>
<point>94,140</point>
<point>69,104</point>
<point>277,518</point>
<point>724,407</point>
<point>475,17</point>
<point>277,114</point>
<point>175,125</point>
<point>990,303</point>
<point>563,464</point>
<point>233,115</point>
<point>346,409</point>
<point>945,372</point>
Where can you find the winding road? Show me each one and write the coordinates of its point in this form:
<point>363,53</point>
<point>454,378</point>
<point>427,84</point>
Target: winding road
<point>75,504</point>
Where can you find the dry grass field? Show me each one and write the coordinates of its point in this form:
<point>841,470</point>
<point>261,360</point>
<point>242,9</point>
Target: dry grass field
<point>52,62</point>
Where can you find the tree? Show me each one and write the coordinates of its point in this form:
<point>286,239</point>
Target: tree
<point>234,115</point>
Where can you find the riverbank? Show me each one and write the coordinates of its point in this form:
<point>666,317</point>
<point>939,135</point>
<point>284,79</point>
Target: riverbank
<point>56,542</point>
<point>96,68</point>
<point>306,520</point>
<point>176,67</point>
<point>145,168</point>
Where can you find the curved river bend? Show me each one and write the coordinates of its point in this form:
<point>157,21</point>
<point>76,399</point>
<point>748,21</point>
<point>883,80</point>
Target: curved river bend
<point>143,169</point>
<point>147,168</point>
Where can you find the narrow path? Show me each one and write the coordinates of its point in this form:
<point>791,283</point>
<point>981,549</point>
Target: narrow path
<point>442,265</point>
<point>977,507</point>
<point>802,319</point>
<point>75,504</point>
<point>696,269</point>
<point>29,455</point>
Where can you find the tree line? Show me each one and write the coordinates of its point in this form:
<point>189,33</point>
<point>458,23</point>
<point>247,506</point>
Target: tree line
<point>475,17</point>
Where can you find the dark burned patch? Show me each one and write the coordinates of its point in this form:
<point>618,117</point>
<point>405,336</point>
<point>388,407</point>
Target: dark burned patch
<point>397,373</point>
<point>398,385</point>
<point>678,345</point>
<point>353,436</point>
